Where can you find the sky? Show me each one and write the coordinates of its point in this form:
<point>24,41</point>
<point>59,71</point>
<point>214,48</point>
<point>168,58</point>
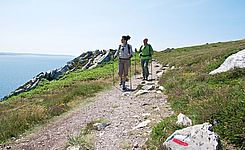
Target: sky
<point>72,27</point>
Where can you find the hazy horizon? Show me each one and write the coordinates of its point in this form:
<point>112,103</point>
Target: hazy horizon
<point>23,53</point>
<point>57,54</point>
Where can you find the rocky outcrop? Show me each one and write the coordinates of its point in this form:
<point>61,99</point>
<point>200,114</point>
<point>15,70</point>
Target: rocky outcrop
<point>195,137</point>
<point>234,61</point>
<point>87,60</point>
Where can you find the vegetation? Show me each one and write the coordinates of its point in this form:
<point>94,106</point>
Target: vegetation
<point>52,98</point>
<point>85,140</point>
<point>218,99</point>
<point>49,99</point>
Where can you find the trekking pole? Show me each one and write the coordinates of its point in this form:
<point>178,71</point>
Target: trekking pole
<point>135,63</point>
<point>130,75</point>
<point>113,78</point>
<point>151,70</point>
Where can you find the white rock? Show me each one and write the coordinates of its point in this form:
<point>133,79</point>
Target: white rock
<point>136,145</point>
<point>150,83</point>
<point>126,94</point>
<point>161,88</point>
<point>142,124</point>
<point>141,92</point>
<point>100,126</point>
<point>158,92</point>
<point>184,120</point>
<point>136,116</point>
<point>159,74</point>
<point>148,87</point>
<point>234,61</point>
<point>194,138</point>
<point>146,114</point>
<point>73,148</point>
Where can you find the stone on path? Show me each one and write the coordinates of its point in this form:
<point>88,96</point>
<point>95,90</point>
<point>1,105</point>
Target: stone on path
<point>142,124</point>
<point>74,148</point>
<point>148,87</point>
<point>126,93</point>
<point>158,92</point>
<point>159,73</point>
<point>161,88</point>
<point>146,114</point>
<point>100,126</point>
<point>141,92</point>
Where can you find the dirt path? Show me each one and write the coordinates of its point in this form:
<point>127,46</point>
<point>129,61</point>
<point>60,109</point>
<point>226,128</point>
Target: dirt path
<point>124,111</point>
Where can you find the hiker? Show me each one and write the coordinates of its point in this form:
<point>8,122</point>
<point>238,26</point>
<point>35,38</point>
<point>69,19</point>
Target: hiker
<point>125,53</point>
<point>146,53</point>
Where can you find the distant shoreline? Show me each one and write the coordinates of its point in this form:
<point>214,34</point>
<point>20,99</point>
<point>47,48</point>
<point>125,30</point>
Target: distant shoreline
<point>34,54</point>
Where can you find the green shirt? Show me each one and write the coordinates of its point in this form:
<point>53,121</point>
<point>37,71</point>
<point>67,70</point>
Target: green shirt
<point>146,52</point>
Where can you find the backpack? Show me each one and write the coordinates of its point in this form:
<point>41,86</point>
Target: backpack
<point>129,52</point>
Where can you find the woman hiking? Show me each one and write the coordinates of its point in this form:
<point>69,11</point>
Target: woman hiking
<point>124,52</point>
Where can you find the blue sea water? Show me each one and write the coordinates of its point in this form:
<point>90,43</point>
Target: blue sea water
<point>15,70</point>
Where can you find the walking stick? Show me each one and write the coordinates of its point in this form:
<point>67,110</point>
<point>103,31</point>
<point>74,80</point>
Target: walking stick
<point>113,78</point>
<point>151,71</point>
<point>135,63</point>
<point>130,75</point>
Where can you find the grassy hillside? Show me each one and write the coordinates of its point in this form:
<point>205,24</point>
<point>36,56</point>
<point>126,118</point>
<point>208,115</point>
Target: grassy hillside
<point>218,99</point>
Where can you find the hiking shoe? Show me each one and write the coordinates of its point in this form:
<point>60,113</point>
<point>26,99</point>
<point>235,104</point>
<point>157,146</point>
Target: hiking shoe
<point>121,83</point>
<point>124,89</point>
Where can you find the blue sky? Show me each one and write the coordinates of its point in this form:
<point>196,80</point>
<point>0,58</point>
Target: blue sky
<point>75,26</point>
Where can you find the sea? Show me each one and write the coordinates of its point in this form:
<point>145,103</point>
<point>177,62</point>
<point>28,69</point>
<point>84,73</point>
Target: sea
<point>17,69</point>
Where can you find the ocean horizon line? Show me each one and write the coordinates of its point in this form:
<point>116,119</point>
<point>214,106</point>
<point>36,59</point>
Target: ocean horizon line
<point>34,54</point>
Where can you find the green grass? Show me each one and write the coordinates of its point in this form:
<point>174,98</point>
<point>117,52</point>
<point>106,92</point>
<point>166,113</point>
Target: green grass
<point>203,97</point>
<point>86,138</point>
<point>52,98</point>
<point>24,111</point>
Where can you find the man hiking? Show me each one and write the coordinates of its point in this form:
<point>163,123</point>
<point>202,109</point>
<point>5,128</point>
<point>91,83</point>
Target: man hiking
<point>125,53</point>
<point>146,53</point>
